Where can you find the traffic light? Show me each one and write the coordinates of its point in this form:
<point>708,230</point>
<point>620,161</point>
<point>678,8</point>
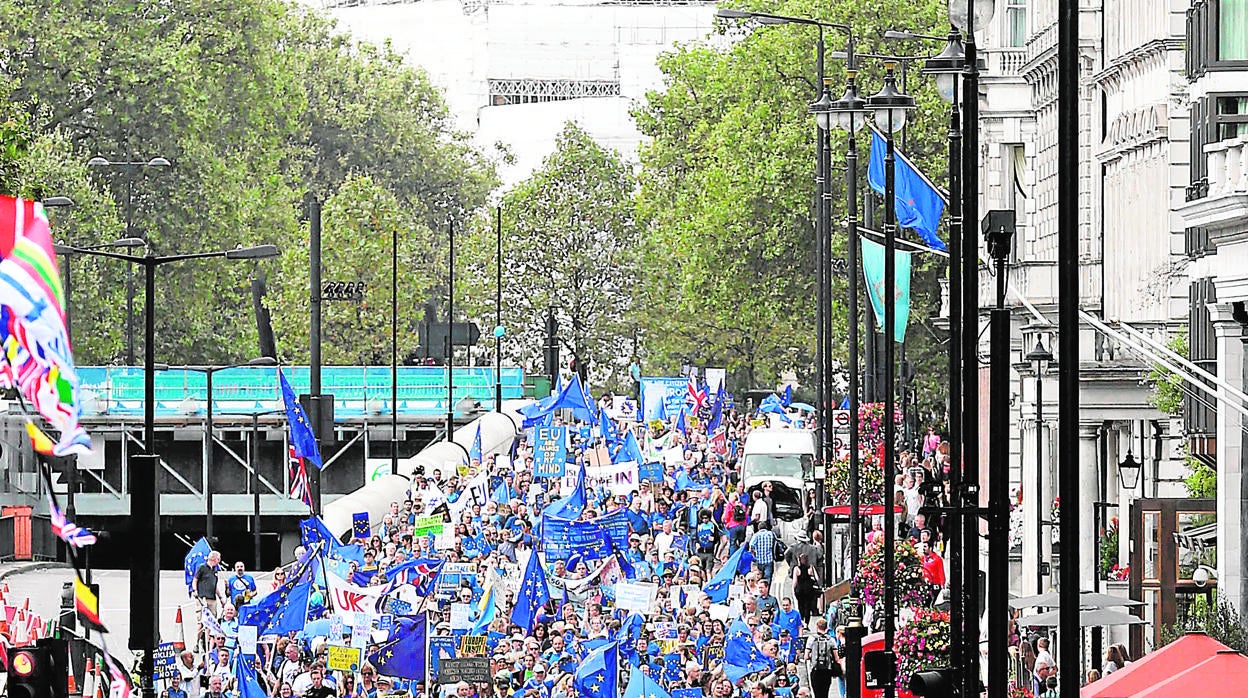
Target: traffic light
<point>579,367</point>
<point>932,683</point>
<point>552,344</point>
<point>40,671</point>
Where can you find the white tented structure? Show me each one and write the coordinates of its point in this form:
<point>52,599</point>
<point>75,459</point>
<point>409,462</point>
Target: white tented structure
<point>498,431</point>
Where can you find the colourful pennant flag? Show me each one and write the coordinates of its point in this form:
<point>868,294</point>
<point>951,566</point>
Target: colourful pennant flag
<point>38,359</point>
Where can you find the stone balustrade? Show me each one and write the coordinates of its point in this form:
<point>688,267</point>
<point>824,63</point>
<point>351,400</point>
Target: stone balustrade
<point>1228,166</point>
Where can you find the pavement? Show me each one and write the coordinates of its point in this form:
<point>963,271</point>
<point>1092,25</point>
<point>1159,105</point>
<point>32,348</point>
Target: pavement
<point>42,582</point>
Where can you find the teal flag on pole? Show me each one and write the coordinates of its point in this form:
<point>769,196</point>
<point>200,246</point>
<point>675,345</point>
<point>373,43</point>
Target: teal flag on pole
<point>873,270</point>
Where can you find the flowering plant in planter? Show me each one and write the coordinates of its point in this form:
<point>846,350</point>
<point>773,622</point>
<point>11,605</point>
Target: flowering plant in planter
<point>909,589</point>
<point>922,644</point>
<point>873,473</point>
<point>1016,690</point>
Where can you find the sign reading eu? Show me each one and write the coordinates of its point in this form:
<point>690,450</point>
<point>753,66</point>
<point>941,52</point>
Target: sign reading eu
<point>550,453</point>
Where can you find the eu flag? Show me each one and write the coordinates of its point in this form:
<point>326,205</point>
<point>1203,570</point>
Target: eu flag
<point>606,426</point>
<point>918,204</point>
<point>630,631</point>
<point>359,525</point>
<point>197,555</point>
<point>741,655</point>
<point>301,437</point>
<point>599,674</point>
<point>474,453</point>
<point>640,685</point>
<point>570,507</point>
<point>717,588</point>
<point>403,654</point>
<point>245,678</point>
<point>533,594</point>
<point>312,530</point>
<point>286,608</point>
<point>717,411</point>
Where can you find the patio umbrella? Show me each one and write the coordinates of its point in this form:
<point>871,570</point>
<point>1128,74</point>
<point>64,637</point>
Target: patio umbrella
<point>1155,667</point>
<point>1088,618</point>
<point>1087,599</point>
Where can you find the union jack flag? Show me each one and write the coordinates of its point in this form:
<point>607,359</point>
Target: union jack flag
<point>119,685</point>
<point>697,394</point>
<point>299,487</point>
<point>420,573</point>
<point>67,530</point>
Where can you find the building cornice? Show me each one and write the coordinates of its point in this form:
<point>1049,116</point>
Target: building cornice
<point>1135,129</point>
<point>1149,49</point>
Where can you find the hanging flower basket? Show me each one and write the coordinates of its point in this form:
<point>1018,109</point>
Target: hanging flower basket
<point>872,473</point>
<point>923,643</point>
<point>910,589</point>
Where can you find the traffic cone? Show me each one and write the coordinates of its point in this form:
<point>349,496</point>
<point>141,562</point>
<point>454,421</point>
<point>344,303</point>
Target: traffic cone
<point>72,684</point>
<point>99,682</point>
<point>88,686</point>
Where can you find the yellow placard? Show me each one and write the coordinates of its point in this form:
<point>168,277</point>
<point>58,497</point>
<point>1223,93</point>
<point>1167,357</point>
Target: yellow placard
<point>343,658</point>
<point>472,646</point>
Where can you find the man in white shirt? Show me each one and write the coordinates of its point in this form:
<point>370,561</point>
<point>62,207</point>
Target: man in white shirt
<point>663,539</point>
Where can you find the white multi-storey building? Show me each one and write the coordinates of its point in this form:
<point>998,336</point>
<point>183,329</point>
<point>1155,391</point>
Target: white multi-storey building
<point>515,71</point>
<point>1132,170</point>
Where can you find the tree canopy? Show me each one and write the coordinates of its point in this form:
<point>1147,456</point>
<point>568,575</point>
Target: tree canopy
<point>257,104</point>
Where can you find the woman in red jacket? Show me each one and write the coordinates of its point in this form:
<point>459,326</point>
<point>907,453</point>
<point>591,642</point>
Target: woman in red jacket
<point>735,518</point>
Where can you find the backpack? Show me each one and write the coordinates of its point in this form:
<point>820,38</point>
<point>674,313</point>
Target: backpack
<point>738,511</point>
<point>822,654</point>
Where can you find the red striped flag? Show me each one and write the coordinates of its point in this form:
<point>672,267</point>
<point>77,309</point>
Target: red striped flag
<point>299,487</point>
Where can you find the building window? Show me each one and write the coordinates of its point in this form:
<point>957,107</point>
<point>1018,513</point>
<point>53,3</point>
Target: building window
<point>1016,22</point>
<point>1217,117</point>
<point>1232,17</point>
<point>1200,414</point>
<point>533,90</point>
<point>1217,36</point>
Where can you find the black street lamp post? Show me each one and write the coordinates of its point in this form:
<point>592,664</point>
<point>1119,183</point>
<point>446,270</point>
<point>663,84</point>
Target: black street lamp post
<point>890,106</point>
<point>144,492</point>
<point>129,167</point>
<point>1039,358</point>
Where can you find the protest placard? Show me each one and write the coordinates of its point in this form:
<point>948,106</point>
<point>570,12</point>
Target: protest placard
<point>339,658</point>
<point>441,648</point>
<point>165,659</point>
<point>472,646</point>
<point>635,596</point>
<point>461,616</point>
<point>616,478</point>
<point>427,525</point>
<point>468,669</point>
<point>550,452</point>
<point>247,640</point>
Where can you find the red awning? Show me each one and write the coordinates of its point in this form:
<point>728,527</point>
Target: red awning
<point>1160,666</point>
<point>1224,675</point>
<point>870,510</point>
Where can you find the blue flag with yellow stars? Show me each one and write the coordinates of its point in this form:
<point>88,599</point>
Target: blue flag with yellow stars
<point>402,655</point>
<point>641,685</point>
<point>717,588</point>
<point>599,674</point>
<point>286,608</point>
<point>532,596</point>
<point>301,437</point>
<point>474,453</point>
<point>359,525</point>
<point>630,631</point>
<point>741,656</point>
<point>245,678</point>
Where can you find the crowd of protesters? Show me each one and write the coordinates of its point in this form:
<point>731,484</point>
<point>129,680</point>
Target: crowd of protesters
<point>681,531</point>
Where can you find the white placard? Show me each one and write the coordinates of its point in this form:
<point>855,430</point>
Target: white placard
<point>635,596</point>
<point>247,639</point>
<point>360,635</point>
<point>335,629</point>
<point>461,616</point>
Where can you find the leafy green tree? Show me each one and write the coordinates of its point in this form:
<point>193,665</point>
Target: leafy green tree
<point>256,103</point>
<point>727,186</point>
<point>570,239</point>
<point>360,223</point>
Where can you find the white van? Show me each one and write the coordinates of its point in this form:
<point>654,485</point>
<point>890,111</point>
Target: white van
<point>785,458</point>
